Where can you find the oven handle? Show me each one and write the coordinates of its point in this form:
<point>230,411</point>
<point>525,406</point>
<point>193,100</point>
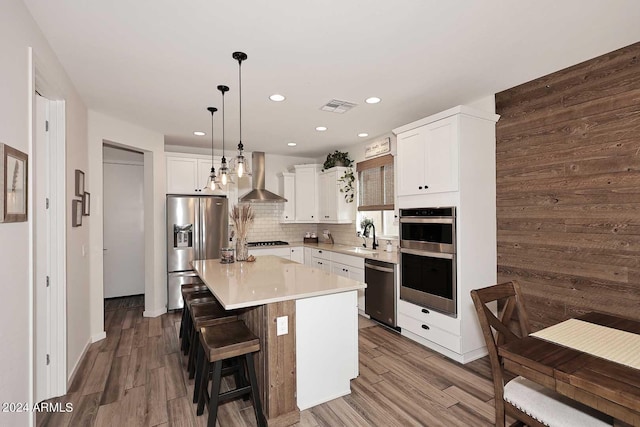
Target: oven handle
<point>427,254</point>
<point>419,220</point>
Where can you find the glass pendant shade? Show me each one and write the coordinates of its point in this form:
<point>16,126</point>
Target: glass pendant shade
<point>239,165</point>
<point>224,176</point>
<point>212,181</point>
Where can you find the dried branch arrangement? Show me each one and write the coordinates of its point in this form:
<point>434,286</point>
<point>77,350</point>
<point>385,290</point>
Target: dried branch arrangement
<point>242,217</point>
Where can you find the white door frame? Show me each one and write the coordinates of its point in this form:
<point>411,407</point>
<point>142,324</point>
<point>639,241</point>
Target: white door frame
<point>55,240</point>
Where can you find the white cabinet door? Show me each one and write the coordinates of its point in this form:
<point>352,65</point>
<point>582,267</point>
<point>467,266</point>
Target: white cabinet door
<point>182,175</point>
<point>428,158</point>
<point>289,187</point>
<point>411,162</point>
<point>308,257</point>
<point>204,170</point>
<point>297,254</point>
<point>279,252</point>
<point>325,196</point>
<point>441,157</point>
<point>333,207</point>
<point>306,193</point>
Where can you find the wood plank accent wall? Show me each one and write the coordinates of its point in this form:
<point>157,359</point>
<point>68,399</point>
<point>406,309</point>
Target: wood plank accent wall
<point>568,188</point>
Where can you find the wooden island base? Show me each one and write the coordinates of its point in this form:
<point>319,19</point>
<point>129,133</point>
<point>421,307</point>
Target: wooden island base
<point>276,361</point>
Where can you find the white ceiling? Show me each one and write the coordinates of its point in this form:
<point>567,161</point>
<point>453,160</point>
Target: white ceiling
<point>157,63</point>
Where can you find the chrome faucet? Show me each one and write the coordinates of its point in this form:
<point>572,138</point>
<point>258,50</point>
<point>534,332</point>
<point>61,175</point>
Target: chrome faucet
<point>374,245</point>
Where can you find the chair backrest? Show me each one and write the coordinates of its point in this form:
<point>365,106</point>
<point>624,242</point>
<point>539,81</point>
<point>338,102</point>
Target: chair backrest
<point>511,324</point>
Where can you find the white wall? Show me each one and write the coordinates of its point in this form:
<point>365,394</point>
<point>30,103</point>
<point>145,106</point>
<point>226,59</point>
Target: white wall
<point>103,128</point>
<point>18,32</point>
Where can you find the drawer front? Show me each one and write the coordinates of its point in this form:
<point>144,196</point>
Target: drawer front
<point>321,253</point>
<point>430,332</point>
<point>281,252</point>
<point>322,264</point>
<point>353,261</point>
<point>429,316</point>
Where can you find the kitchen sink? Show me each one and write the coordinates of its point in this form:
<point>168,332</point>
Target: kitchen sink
<point>364,251</point>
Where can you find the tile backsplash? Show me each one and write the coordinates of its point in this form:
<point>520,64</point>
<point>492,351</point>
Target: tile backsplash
<point>267,226</point>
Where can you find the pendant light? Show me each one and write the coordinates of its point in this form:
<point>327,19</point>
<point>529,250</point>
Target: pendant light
<point>212,176</point>
<point>240,166</point>
<point>224,170</point>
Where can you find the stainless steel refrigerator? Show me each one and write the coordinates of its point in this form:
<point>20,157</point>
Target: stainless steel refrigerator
<point>197,227</point>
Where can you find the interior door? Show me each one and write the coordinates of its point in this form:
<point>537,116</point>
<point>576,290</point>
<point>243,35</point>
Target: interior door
<point>42,223</point>
<point>123,229</point>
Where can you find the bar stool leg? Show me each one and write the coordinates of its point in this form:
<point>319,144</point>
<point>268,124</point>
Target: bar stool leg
<point>195,344</point>
<point>255,393</point>
<point>215,393</point>
<point>204,383</point>
<point>198,368</point>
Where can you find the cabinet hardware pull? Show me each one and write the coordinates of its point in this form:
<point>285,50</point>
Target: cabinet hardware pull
<point>426,186</point>
<point>424,310</point>
<point>420,188</point>
<point>425,327</point>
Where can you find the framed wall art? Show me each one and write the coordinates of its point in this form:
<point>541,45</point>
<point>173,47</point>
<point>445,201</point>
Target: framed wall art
<point>13,184</point>
<point>86,204</point>
<point>79,183</point>
<point>76,213</point>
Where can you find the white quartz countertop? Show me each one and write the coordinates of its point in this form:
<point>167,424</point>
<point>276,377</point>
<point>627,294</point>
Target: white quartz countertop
<point>267,280</point>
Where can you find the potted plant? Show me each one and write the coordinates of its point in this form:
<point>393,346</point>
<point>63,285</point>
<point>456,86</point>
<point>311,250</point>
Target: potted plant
<point>346,185</point>
<point>337,158</point>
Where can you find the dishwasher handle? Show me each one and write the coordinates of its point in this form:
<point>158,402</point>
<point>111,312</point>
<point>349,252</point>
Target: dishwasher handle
<point>375,267</point>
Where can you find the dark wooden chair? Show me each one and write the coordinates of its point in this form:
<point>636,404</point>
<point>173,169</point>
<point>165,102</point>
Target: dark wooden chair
<point>529,403</point>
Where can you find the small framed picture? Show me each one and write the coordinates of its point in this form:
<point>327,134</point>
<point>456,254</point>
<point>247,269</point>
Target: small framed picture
<point>13,184</point>
<point>76,213</point>
<point>86,204</point>
<point>79,183</point>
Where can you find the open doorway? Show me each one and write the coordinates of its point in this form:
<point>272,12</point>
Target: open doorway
<point>123,210</point>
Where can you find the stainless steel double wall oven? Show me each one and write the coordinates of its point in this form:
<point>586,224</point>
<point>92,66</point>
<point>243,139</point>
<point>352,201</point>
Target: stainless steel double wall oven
<point>428,258</point>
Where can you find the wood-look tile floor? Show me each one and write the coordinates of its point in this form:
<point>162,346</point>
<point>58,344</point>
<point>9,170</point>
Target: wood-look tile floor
<point>136,377</point>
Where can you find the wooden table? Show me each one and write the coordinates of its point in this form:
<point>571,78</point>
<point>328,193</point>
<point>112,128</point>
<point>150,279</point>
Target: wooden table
<point>610,387</point>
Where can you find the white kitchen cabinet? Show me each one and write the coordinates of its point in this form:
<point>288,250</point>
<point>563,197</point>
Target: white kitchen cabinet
<point>333,207</point>
<point>351,267</point>
<point>306,193</point>
<point>182,175</point>
<point>289,192</point>
<point>297,254</point>
<point>428,158</point>
<point>321,259</point>
<point>189,174</point>
<point>468,184</point>
<point>308,257</point>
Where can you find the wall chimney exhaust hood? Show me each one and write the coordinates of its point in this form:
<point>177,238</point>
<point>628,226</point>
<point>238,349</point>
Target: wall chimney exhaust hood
<point>258,194</point>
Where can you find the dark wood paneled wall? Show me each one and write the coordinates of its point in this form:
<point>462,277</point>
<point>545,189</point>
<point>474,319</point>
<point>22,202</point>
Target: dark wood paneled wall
<point>568,188</point>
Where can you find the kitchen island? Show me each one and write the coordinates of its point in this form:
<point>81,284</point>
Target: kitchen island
<point>307,323</point>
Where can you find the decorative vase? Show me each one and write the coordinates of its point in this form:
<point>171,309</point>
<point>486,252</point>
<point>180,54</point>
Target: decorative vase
<point>242,249</point>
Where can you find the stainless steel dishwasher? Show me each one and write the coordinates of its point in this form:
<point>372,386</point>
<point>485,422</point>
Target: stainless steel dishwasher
<point>380,294</point>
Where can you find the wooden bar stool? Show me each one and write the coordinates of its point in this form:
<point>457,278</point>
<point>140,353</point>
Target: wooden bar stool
<point>185,290</point>
<point>205,314</point>
<point>220,343</point>
<point>191,299</point>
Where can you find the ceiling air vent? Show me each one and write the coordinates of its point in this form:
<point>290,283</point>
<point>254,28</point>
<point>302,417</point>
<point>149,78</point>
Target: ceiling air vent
<point>337,106</point>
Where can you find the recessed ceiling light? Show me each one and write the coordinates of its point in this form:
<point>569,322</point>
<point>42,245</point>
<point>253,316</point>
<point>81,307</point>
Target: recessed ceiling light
<point>199,133</point>
<point>321,128</point>
<point>291,144</point>
<point>363,135</point>
<point>372,100</point>
<point>277,97</point>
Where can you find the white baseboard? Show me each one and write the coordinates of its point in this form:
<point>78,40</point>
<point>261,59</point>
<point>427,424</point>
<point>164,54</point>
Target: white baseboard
<point>154,313</point>
<point>74,371</point>
<point>99,336</point>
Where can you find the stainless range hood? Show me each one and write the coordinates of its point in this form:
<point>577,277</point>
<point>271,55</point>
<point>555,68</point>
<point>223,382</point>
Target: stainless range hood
<point>259,194</point>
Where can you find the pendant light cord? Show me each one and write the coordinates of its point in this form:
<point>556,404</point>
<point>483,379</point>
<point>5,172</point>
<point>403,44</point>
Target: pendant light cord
<point>223,159</point>
<point>240,93</point>
<point>212,139</point>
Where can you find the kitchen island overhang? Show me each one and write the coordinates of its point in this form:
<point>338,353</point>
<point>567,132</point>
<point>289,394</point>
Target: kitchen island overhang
<point>318,356</point>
